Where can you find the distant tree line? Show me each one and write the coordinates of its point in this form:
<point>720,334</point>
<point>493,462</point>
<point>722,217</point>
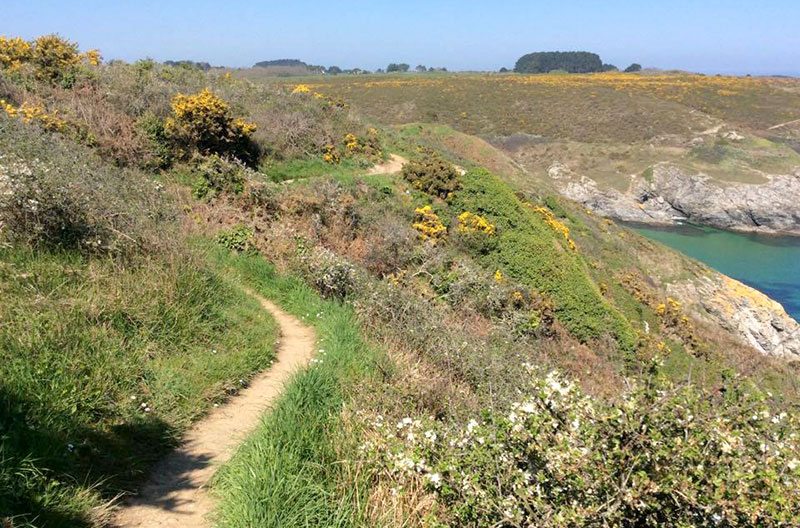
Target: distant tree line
<point>189,64</point>
<point>280,62</point>
<point>403,67</point>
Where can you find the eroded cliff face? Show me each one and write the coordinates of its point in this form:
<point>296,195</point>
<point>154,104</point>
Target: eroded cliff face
<point>749,315</point>
<point>670,195</point>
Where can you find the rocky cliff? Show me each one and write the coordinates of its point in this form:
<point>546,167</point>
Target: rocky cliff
<point>748,314</point>
<point>670,195</point>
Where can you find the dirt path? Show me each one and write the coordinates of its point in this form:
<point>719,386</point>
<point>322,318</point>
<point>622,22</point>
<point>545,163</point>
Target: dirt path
<point>176,495</point>
<point>392,166</point>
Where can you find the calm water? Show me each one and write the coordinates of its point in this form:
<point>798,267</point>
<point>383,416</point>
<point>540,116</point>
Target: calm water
<point>769,264</point>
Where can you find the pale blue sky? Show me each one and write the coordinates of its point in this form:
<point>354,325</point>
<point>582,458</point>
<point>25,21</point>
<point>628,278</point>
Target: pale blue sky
<point>713,36</point>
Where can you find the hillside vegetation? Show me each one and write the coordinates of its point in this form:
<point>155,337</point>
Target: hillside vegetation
<point>488,355</point>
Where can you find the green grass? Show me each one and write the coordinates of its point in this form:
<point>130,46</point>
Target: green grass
<point>84,345</point>
<point>289,472</point>
<point>305,168</point>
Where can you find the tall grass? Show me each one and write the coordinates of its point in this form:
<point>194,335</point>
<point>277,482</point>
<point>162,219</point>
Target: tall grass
<point>102,367</point>
<point>290,471</point>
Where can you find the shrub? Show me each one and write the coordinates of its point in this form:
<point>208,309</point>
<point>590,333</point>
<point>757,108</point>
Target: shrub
<point>659,456</point>
<point>433,175</point>
<point>161,152</point>
<point>332,275</point>
<point>203,122</point>
<point>525,249</point>
<point>633,68</point>
<point>14,52</point>
<point>51,196</point>
<point>476,233</point>
<point>239,239</point>
<point>428,225</point>
<point>219,175</point>
<point>54,57</point>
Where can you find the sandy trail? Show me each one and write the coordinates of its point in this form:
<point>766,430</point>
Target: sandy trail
<point>391,166</point>
<point>175,494</point>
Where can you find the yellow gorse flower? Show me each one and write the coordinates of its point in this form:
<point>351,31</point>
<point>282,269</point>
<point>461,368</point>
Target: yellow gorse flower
<point>472,223</point>
<point>428,225</point>
<point>35,114</point>
<point>14,52</point>
<point>556,225</point>
<point>301,89</point>
<point>92,57</point>
<point>330,154</point>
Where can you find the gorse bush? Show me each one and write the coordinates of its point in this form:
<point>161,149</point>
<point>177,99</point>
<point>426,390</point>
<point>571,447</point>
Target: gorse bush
<point>432,174</point>
<point>216,175</point>
<point>52,58</point>
<point>660,456</point>
<point>523,248</point>
<point>14,52</point>
<point>203,122</point>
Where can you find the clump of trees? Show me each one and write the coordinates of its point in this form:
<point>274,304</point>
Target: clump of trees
<point>394,67</point>
<point>280,62</point>
<point>633,68</point>
<point>569,61</point>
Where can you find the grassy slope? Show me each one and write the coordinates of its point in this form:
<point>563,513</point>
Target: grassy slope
<point>84,344</point>
<point>529,251</point>
<point>287,473</point>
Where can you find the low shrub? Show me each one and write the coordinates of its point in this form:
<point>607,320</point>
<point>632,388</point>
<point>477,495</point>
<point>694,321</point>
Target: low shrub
<point>238,239</point>
<point>661,456</point>
<point>333,276</point>
<point>217,175</point>
<point>432,174</point>
<point>53,194</point>
<point>428,225</point>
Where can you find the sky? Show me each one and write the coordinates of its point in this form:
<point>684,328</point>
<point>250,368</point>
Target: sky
<point>709,36</point>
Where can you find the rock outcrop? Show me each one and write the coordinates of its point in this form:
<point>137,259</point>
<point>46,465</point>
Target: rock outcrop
<point>670,195</point>
<point>748,314</point>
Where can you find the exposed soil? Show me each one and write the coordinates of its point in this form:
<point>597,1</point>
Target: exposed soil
<point>392,166</point>
<point>176,493</point>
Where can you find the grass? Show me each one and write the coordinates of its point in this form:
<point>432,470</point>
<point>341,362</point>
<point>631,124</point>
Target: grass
<point>289,472</point>
<point>305,168</point>
<point>101,369</point>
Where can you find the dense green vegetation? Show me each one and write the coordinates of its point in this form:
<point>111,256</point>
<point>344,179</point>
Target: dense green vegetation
<point>528,251</point>
<point>279,62</point>
<point>568,61</point>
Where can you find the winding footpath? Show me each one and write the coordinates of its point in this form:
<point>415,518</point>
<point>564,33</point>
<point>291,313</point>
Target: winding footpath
<point>176,493</point>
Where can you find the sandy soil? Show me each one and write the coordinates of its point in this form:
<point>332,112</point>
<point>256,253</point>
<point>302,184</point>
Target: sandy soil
<point>392,166</point>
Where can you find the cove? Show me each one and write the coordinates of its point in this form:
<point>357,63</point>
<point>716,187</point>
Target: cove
<point>770,264</point>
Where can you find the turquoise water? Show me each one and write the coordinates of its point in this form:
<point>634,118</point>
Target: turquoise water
<point>770,264</point>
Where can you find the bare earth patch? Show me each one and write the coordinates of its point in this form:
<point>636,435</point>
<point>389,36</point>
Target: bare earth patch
<point>392,166</point>
<point>176,492</point>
